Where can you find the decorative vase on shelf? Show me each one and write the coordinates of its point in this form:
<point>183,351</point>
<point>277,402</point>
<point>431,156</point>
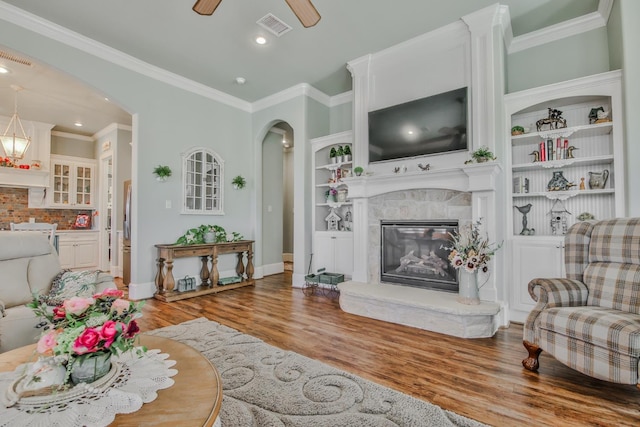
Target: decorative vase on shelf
<point>468,292</point>
<point>597,180</point>
<point>331,198</point>
<point>91,368</point>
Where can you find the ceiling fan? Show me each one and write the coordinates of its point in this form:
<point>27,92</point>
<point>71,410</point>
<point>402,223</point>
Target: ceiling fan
<point>303,9</point>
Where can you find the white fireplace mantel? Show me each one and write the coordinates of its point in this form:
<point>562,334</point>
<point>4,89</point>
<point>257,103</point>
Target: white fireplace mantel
<point>472,177</point>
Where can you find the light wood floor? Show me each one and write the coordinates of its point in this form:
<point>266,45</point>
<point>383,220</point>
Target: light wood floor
<point>481,378</point>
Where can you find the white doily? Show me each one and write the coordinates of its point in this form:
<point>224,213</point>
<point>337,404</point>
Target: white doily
<point>136,381</point>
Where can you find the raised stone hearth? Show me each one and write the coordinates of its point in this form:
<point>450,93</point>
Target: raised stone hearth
<point>425,309</point>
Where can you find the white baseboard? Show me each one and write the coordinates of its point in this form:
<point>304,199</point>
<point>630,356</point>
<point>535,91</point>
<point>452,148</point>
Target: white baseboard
<point>138,291</point>
<point>269,269</point>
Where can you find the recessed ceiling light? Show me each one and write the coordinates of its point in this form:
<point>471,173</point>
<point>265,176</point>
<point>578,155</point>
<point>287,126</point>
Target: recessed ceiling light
<point>261,40</point>
<point>241,80</point>
<point>3,70</point>
<point>78,124</point>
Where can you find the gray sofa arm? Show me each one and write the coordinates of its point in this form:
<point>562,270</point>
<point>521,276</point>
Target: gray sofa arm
<point>552,293</point>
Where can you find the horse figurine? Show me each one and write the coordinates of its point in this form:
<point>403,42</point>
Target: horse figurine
<point>555,120</point>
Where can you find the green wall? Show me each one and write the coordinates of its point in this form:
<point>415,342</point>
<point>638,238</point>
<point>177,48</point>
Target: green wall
<point>341,117</point>
<point>167,121</point>
<point>577,56</point>
<point>272,199</point>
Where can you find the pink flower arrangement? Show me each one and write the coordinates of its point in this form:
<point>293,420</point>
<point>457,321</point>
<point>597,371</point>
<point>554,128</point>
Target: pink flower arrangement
<point>80,327</point>
<point>471,250</point>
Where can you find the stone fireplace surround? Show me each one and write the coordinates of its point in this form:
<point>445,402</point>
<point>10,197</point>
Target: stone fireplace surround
<point>465,194</point>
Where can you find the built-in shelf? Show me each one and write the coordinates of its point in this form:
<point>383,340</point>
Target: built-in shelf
<point>573,131</point>
<point>586,161</point>
<point>564,195</point>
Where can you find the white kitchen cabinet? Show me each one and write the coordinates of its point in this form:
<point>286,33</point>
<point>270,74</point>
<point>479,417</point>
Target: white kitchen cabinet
<point>78,249</point>
<point>532,257</point>
<point>73,183</point>
<point>333,251</point>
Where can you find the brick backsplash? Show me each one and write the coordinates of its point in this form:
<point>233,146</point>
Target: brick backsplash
<point>14,204</point>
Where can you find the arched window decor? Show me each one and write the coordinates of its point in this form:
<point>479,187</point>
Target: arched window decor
<point>202,182</point>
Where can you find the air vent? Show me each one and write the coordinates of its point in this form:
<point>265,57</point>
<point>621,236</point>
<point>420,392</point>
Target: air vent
<point>274,24</point>
<point>10,57</point>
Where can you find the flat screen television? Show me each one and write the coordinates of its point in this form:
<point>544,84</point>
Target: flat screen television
<point>432,125</point>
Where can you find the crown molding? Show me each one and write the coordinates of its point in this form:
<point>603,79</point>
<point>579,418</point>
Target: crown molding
<point>63,35</point>
<point>556,32</point>
<point>302,89</point>
<point>111,128</point>
<point>72,136</point>
<point>341,98</point>
<point>604,9</point>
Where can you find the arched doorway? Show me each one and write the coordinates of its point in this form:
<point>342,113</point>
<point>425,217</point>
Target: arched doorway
<point>277,199</point>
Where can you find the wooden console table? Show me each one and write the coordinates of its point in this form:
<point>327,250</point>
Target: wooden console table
<point>168,252</point>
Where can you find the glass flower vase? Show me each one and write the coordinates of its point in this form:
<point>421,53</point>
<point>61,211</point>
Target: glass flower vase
<point>91,368</point>
<point>468,292</point>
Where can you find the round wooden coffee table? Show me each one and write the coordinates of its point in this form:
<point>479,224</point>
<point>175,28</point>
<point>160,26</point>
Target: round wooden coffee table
<point>194,399</point>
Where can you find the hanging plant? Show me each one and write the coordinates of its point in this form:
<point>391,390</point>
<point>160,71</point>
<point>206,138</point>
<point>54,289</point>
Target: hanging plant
<point>238,182</point>
<point>162,172</point>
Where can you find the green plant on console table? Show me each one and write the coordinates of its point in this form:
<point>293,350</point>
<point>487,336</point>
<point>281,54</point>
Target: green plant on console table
<point>195,236</point>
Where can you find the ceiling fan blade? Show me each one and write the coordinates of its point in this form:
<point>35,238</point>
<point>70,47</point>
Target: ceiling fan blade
<point>305,11</point>
<point>206,7</point>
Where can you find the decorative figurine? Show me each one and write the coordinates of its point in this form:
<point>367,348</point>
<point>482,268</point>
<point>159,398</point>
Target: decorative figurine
<point>559,183</point>
<point>425,167</point>
<point>585,216</point>
<point>333,220</point>
<point>524,210</point>
<point>559,218</point>
<point>582,183</point>
<point>554,121</point>
<point>536,156</point>
<point>570,151</point>
<point>593,114</point>
<point>597,180</point>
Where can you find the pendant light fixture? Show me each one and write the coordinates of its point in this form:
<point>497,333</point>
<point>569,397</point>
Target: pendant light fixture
<point>15,144</point>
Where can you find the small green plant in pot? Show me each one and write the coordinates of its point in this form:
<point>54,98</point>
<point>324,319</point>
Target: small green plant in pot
<point>482,155</point>
<point>347,153</point>
<point>340,154</point>
<point>239,182</point>
<point>358,170</point>
<point>162,172</point>
<point>332,155</point>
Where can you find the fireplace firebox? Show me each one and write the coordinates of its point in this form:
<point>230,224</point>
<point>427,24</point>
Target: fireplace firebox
<point>414,253</point>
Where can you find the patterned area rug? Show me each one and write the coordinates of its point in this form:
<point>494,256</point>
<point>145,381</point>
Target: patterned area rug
<point>266,386</point>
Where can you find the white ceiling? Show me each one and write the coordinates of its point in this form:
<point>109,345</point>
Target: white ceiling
<point>214,50</point>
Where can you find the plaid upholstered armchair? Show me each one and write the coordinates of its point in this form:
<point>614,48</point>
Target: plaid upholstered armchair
<point>590,321</point>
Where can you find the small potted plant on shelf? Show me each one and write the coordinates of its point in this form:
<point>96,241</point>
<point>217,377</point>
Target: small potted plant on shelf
<point>347,153</point>
<point>239,182</point>
<point>162,172</point>
<point>358,170</point>
<point>332,155</point>
<point>340,154</point>
<point>482,155</point>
